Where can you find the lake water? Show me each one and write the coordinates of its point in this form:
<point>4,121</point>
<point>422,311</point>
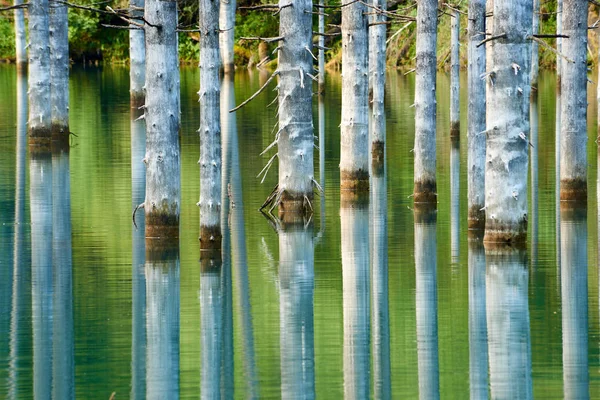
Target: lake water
<point>378,300</point>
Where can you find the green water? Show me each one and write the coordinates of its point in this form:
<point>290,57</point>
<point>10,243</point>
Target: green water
<point>332,309</point>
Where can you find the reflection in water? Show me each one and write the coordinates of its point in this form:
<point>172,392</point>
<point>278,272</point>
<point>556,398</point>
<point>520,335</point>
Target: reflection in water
<point>162,319</point>
<point>321,110</point>
<point>379,281</point>
<point>533,156</point>
<point>426,300</point>
<point>138,243</point>
<point>574,293</point>
<point>509,343</point>
<point>296,320</point>
<point>354,218</point>
<point>478,345</point>
<point>63,358</point>
<point>455,199</point>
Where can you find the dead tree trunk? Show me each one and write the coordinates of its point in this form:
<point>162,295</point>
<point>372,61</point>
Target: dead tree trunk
<point>59,74</point>
<point>455,73</point>
<point>210,127</point>
<point>508,130</point>
<point>20,37</point>
<point>137,57</point>
<point>476,115</point>
<point>354,157</point>
<point>573,131</point>
<point>425,104</point>
<point>162,120</point>
<point>535,56</point>
<point>321,56</point>
<point>377,52</point>
<point>40,112</point>
<point>226,35</point>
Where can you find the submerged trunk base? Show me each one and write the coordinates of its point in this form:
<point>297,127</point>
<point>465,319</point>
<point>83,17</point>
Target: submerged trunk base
<point>22,68</point>
<point>573,190</point>
<point>425,192</point>
<point>425,213</point>
<point>476,219</point>
<point>297,204</point>
<point>505,234</point>
<point>40,138</point>
<point>60,136</point>
<point>349,199</point>
<point>210,259</point>
<point>162,225</point>
<point>455,129</point>
<point>377,157</point>
<point>354,180</point>
<point>163,249</point>
<point>229,68</point>
<point>210,238</point>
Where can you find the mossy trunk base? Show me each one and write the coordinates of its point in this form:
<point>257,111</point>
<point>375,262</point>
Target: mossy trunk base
<point>573,190</point>
<point>40,138</point>
<point>357,181</point>
<point>210,238</point>
<point>162,225</point>
<point>425,192</point>
<point>354,199</point>
<point>476,218</point>
<point>505,234</point>
<point>60,137</point>
<point>295,204</point>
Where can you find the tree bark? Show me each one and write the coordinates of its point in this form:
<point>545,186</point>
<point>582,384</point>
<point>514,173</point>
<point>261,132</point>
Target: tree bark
<point>455,74</point>
<point>210,127</point>
<point>40,112</point>
<point>377,58</point>
<point>354,157</point>
<point>535,56</point>
<point>508,132</point>
<point>137,57</point>
<point>226,35</point>
<point>573,135</point>
<point>20,37</point>
<point>295,139</point>
<point>476,115</point>
<point>59,74</point>
<point>162,120</point>
<point>425,104</point>
<point>321,56</point>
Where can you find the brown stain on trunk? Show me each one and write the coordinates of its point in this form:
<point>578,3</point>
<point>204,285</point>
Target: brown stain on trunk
<point>378,157</point>
<point>40,139</point>
<point>352,199</point>
<point>455,129</point>
<point>210,238</point>
<point>60,137</point>
<point>292,203</point>
<point>136,101</point>
<point>425,192</point>
<point>574,190</point>
<point>476,218</point>
<point>354,180</point>
<point>210,260</point>
<point>162,225</point>
<point>505,234</point>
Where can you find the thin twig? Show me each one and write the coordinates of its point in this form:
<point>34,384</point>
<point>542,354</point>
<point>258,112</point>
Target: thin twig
<point>257,93</point>
<point>24,5</point>
<point>484,41</point>
<point>552,49</point>
<point>266,40</point>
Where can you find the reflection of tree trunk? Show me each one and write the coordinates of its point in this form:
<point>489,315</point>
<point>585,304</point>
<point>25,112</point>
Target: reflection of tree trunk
<point>162,319</point>
<point>455,200</point>
<point>377,51</point>
<point>557,140</point>
<point>321,111</point>
<point>59,74</point>
<point>354,217</point>
<point>321,60</point>
<point>40,195</point>
<point>478,345</point>
<point>137,57</point>
<point>63,357</point>
<point>296,282</point>
<point>507,309</point>
<point>574,293</point>
<point>533,155</point>
<point>426,301</point>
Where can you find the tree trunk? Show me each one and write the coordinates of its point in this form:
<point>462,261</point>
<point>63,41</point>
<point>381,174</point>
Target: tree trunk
<point>509,341</point>
<point>508,132</point>
<point>354,157</point>
<point>295,139</point>
<point>20,37</point>
<point>321,56</point>
<point>425,104</point>
<point>573,135</point>
<point>455,74</point>
<point>574,296</point>
<point>226,35</point>
<point>426,300</point>
<point>535,56</point>
<point>137,57</point>
<point>40,112</point>
<point>210,127</point>
<point>162,120</point>
<point>377,52</point>
<point>59,74</point>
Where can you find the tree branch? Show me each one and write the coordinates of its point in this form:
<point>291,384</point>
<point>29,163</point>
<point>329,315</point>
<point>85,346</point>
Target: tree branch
<point>501,36</point>
<point>257,93</point>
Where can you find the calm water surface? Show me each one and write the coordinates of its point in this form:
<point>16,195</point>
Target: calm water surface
<point>372,300</point>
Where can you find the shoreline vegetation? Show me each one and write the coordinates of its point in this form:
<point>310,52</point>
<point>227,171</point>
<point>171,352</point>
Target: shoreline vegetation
<point>92,43</point>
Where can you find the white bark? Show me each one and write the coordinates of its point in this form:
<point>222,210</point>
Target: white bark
<point>40,113</point>
<point>573,135</point>
<point>137,57</point>
<point>354,156</point>
<point>377,52</point>
<point>354,219</point>
<point>476,114</point>
<point>455,201</point>
<point>210,125</point>
<point>507,310</point>
<point>455,73</point>
<point>426,301</point>
<point>59,73</point>
<point>20,36</point>
<point>508,132</point>
<point>211,337</point>
<point>295,139</point>
<point>574,296</point>
<point>226,35</point>
<point>535,56</point>
<point>296,319</point>
<point>425,103</point>
<point>321,56</point>
<point>162,120</point>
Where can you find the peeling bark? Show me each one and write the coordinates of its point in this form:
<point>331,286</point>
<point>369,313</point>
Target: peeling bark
<point>20,37</point>
<point>137,57</point>
<point>162,120</point>
<point>59,74</point>
<point>455,74</point>
<point>425,190</point>
<point>508,133</point>
<point>226,35</point>
<point>377,53</point>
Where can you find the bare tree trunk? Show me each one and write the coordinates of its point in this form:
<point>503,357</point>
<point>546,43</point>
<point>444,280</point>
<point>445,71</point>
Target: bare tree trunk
<point>295,139</point>
<point>573,135</point>
<point>40,112</point>
<point>210,127</point>
<point>321,56</point>
<point>59,74</point>
<point>455,73</point>
<point>20,37</point>
<point>137,57</point>
<point>226,35</point>
<point>162,120</point>
<point>535,56</point>
<point>354,157</point>
<point>476,114</point>
<point>508,133</point>
<point>377,53</point>
<point>425,104</point>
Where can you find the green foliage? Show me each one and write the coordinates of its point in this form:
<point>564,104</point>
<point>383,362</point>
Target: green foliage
<point>7,38</point>
<point>189,48</point>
